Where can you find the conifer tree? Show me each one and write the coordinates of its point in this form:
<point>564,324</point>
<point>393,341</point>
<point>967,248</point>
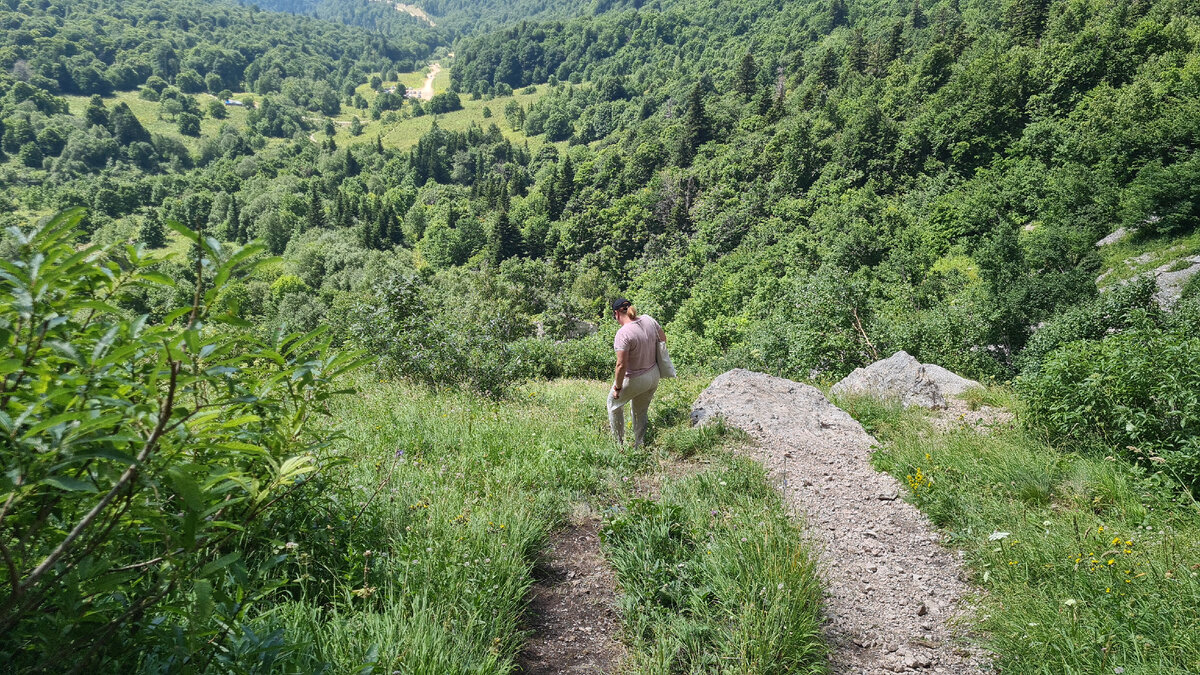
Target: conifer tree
<point>352,167</point>
<point>151,233</point>
<point>504,240</point>
<point>696,127</point>
<point>917,16</point>
<point>233,220</point>
<point>96,114</point>
<point>747,79</point>
<point>839,15</point>
<point>316,212</point>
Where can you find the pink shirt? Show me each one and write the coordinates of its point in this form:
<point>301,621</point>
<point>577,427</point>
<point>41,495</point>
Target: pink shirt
<point>639,340</point>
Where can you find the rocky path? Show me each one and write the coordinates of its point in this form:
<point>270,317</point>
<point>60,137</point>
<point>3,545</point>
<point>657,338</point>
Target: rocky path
<point>891,590</point>
<point>573,609</point>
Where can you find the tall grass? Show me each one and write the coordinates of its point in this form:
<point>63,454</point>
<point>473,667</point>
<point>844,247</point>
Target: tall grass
<point>1090,564</point>
<point>422,559</point>
<point>715,579</point>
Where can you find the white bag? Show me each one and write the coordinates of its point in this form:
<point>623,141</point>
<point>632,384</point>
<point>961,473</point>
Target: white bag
<point>665,367</point>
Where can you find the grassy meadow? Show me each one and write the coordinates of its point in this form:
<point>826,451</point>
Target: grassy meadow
<point>420,553</point>
<point>1087,565</point>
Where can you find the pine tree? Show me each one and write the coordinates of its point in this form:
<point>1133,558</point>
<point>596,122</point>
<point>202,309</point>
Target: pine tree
<point>1026,20</point>
<point>352,167</point>
<point>856,54</point>
<point>747,79</point>
<point>696,127</point>
<point>96,114</point>
<point>839,15</point>
<point>316,211</point>
<point>894,47</point>
<point>917,17</point>
<point>504,240</point>
<point>151,232</point>
<point>233,220</point>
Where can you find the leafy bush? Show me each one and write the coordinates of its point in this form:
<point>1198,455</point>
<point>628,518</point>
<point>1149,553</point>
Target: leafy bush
<point>1135,393</point>
<point>141,457</point>
<point>1123,307</point>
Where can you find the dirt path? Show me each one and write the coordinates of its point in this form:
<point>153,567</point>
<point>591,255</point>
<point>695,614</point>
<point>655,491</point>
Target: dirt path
<point>891,591</point>
<point>427,90</point>
<point>573,608</point>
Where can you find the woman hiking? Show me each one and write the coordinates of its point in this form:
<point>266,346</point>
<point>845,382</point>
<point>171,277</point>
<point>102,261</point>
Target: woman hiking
<point>636,376</point>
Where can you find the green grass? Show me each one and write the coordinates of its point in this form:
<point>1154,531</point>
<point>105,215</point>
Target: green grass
<point>1118,258</point>
<point>414,552</point>
<point>406,131</point>
<point>453,495</point>
<point>147,112</point>
<point>714,577</point>
<point>1089,565</point>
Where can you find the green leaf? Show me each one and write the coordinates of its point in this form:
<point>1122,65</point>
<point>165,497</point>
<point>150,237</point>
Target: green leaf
<point>186,487</point>
<point>219,564</point>
<point>204,601</point>
<point>156,278</point>
<point>69,484</point>
<point>186,231</point>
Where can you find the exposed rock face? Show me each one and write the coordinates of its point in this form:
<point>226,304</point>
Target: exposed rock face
<point>1113,238</point>
<point>1170,284</point>
<point>761,403</point>
<point>901,376</point>
<point>891,592</point>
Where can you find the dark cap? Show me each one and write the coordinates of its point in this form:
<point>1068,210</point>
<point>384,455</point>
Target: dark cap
<point>620,303</point>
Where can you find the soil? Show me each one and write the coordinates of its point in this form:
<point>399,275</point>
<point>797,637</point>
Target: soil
<point>572,608</point>
<point>896,599</point>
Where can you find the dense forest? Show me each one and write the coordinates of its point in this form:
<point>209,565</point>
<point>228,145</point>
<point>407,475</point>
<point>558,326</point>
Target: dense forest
<point>797,188</point>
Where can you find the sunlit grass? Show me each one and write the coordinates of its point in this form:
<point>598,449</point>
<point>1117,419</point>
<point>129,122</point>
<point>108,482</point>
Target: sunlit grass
<point>422,560</point>
<point>148,113</point>
<point>1089,565</point>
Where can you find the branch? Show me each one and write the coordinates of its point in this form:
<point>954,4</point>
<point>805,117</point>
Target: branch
<point>130,473</point>
<point>858,326</point>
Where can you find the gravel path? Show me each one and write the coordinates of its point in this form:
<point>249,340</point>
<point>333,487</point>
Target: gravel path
<point>891,590</point>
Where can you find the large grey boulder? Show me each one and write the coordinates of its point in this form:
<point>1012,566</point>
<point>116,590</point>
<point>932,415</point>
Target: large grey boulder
<point>900,376</point>
<point>762,404</point>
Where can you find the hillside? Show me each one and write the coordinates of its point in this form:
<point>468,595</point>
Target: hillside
<point>223,218</point>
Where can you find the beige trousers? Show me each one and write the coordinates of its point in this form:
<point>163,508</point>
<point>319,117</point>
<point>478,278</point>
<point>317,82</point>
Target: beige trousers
<point>638,391</point>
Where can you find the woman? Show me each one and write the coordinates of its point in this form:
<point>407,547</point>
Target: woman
<point>636,376</point>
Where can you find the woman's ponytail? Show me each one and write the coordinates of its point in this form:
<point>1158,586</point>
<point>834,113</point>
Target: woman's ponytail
<point>631,312</point>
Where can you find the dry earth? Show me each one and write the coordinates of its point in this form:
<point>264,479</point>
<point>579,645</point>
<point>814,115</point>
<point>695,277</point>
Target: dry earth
<point>572,608</point>
<point>893,594</point>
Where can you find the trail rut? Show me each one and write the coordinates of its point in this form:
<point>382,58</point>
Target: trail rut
<point>572,609</point>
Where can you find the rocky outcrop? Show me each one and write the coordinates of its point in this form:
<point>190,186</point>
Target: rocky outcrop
<point>1171,279</point>
<point>760,403</point>
<point>902,377</point>
<point>1121,233</point>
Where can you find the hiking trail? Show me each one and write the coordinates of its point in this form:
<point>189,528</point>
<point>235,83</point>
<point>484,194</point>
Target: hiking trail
<point>572,608</point>
<point>892,593</point>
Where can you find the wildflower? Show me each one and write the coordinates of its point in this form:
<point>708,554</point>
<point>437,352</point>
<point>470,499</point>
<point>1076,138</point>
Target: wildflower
<point>399,453</point>
<point>291,545</point>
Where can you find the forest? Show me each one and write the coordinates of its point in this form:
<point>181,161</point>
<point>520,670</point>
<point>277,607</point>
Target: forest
<point>221,218</point>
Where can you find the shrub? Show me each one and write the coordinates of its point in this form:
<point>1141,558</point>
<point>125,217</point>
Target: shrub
<point>1124,307</point>
<point>140,456</point>
<point>1135,394</point>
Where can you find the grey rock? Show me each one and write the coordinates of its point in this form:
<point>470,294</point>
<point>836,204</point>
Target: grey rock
<point>1113,238</point>
<point>1170,284</point>
<point>900,376</point>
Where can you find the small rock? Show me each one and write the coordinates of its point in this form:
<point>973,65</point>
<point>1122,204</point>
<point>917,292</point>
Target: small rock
<point>922,610</point>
